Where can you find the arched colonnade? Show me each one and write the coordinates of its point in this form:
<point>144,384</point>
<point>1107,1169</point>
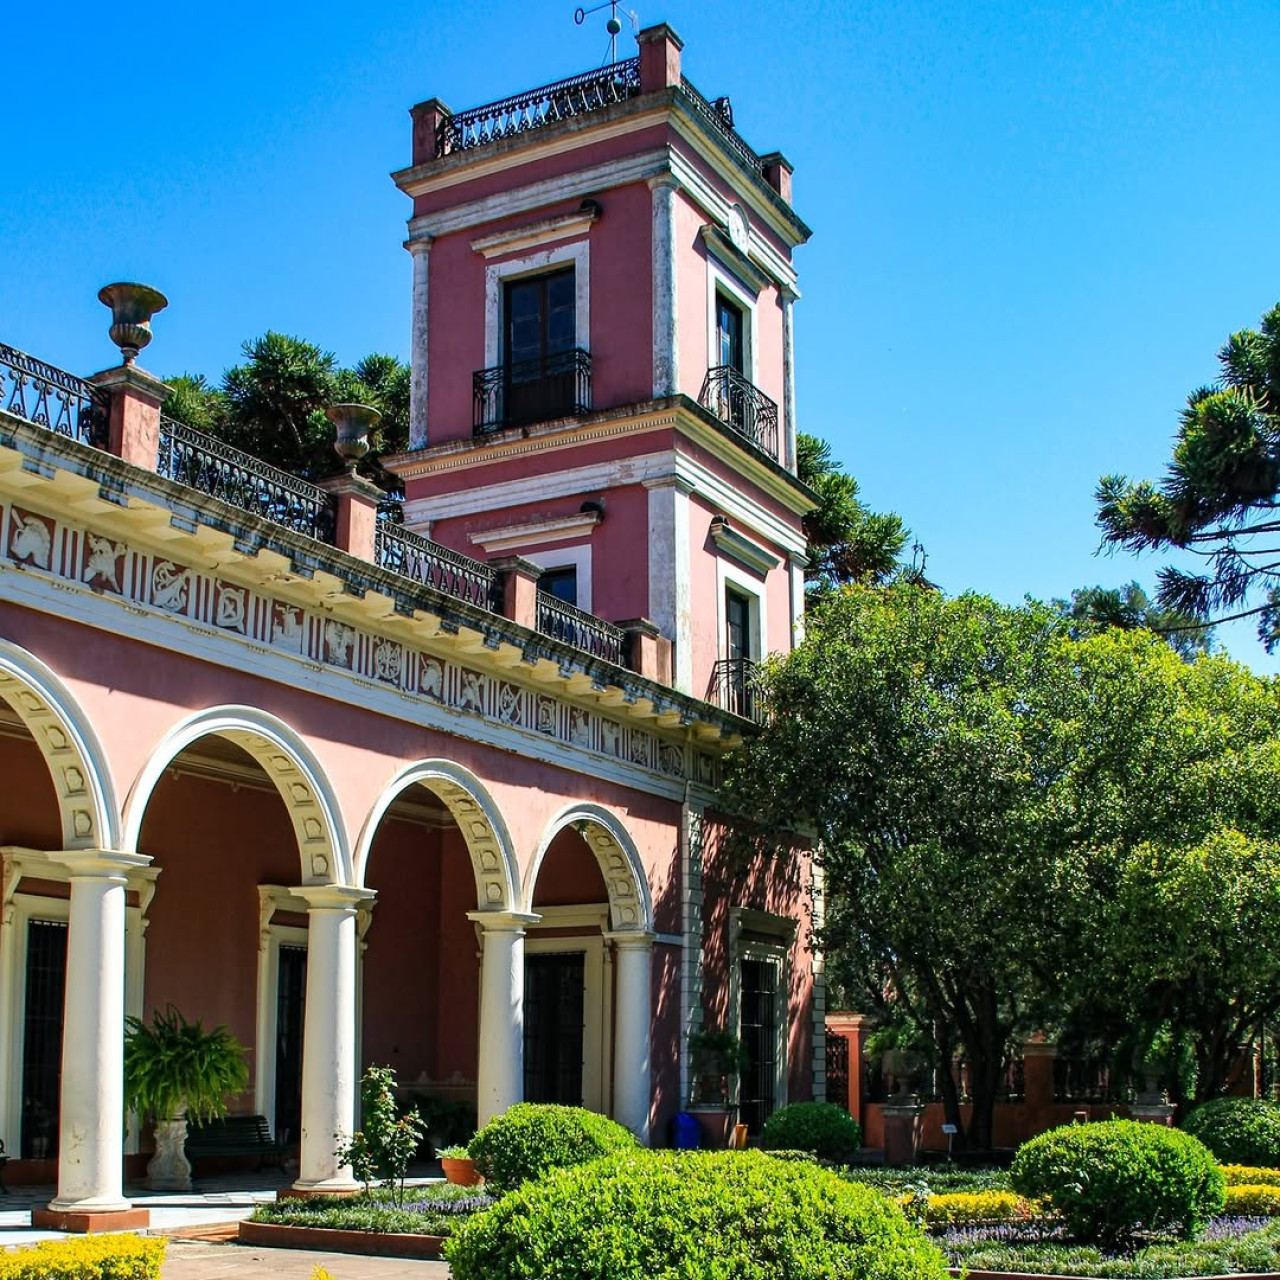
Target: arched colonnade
<point>101,829</point>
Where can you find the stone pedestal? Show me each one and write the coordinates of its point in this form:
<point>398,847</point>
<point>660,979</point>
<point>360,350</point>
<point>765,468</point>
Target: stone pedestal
<point>169,1169</point>
<point>903,1132</point>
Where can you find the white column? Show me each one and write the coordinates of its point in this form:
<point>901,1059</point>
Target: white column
<point>329,1069</point>
<point>90,1144</point>
<point>500,1071</point>
<point>670,607</point>
<point>421,250</point>
<point>796,562</point>
<point>789,297</point>
<point>633,1018</point>
<point>666,350</point>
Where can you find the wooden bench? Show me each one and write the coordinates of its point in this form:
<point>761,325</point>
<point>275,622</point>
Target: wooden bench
<point>235,1136</point>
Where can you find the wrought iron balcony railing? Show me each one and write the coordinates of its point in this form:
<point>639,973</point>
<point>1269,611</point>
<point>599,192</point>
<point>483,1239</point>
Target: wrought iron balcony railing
<point>210,465</point>
<point>591,91</point>
<point>412,556</point>
<point>741,405</point>
<point>552,386</point>
<point>735,687</point>
<point>571,625</point>
<point>720,114</point>
<point>51,398</point>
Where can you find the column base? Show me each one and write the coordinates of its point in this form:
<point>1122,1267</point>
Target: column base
<point>90,1220</point>
<point>308,1190</point>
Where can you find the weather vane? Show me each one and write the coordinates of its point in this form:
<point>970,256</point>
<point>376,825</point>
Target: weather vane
<point>613,26</point>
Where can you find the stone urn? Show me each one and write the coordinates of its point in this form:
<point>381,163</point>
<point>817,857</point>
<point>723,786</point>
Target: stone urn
<point>353,422</point>
<point>132,306</point>
<point>169,1169</point>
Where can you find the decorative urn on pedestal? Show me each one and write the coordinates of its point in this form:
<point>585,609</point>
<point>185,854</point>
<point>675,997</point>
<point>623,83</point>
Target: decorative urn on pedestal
<point>132,306</point>
<point>353,422</point>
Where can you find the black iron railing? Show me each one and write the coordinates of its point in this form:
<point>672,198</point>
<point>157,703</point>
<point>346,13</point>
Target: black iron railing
<point>214,467</point>
<point>734,686</point>
<point>552,386</point>
<point>413,556</point>
<point>720,115</point>
<point>837,1066</point>
<point>590,91</point>
<point>51,398</point>
<point>571,625</point>
<point>741,405</point>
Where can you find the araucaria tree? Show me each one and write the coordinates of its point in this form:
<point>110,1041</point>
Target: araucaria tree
<point>1219,498</point>
<point>1021,830</point>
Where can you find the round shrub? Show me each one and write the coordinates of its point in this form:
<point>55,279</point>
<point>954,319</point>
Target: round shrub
<point>1238,1130</point>
<point>830,1132</point>
<point>663,1215</point>
<point>1112,1179</point>
<point>531,1137</point>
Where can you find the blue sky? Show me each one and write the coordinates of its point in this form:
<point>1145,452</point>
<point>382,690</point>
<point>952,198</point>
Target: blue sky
<point>1034,224</point>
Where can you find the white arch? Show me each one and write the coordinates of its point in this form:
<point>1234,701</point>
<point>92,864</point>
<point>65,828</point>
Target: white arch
<point>75,757</point>
<point>286,759</point>
<point>473,809</point>
<point>630,905</point>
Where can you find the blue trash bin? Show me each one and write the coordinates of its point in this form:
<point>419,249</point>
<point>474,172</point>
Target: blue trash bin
<point>686,1132</point>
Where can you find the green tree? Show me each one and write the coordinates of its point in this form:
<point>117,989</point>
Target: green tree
<point>847,541</point>
<point>1220,493</point>
<point>1093,609</point>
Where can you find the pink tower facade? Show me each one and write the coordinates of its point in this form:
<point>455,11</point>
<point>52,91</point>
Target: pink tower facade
<point>437,793</point>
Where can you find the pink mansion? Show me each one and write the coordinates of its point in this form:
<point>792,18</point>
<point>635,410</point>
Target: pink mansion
<point>436,791</point>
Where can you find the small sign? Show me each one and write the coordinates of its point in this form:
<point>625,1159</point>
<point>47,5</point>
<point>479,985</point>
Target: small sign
<point>950,1129</point>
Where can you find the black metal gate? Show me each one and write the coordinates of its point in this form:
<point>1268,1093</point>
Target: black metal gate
<point>759,1085</point>
<point>46,989</point>
<point>838,1070</point>
<point>291,1008</point>
<point>554,986</point>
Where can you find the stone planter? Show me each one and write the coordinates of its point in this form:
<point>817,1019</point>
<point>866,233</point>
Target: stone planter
<point>380,1243</point>
<point>169,1169</point>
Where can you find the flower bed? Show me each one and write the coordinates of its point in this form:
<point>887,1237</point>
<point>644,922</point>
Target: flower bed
<point>435,1210</point>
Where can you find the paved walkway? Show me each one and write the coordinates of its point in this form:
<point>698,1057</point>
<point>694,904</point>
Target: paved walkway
<point>195,1260</point>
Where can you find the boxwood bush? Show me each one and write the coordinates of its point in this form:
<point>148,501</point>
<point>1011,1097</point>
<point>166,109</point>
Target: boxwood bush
<point>1238,1130</point>
<point>670,1215</point>
<point>531,1137</point>
<point>1113,1179</point>
<point>830,1132</point>
<point>105,1257</point>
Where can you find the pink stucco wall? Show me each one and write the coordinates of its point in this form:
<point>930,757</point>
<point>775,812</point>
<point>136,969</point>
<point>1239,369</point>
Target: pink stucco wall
<point>28,804</point>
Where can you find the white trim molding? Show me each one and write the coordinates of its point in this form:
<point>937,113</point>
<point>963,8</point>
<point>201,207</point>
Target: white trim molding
<point>577,255</point>
<point>512,537</point>
<point>544,231</point>
<point>751,555</point>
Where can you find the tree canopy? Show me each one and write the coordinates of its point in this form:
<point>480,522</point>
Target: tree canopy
<point>1220,493</point>
<point>1093,609</point>
<point>847,541</point>
<point>272,405</point>
<point>997,804</point>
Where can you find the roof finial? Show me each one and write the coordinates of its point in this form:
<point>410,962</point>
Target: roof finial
<point>613,26</point>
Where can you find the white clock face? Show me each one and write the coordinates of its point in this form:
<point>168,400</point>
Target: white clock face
<point>739,235</point>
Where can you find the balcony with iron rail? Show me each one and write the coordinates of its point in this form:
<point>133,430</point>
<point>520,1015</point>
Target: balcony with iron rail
<point>742,406</point>
<point>735,687</point>
<point>555,385</point>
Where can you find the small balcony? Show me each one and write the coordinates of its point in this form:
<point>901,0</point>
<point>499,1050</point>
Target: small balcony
<point>735,687</point>
<point>741,405</point>
<point>557,385</point>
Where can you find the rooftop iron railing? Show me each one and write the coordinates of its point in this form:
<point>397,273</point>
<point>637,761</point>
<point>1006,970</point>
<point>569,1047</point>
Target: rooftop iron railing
<point>573,626</point>
<point>412,556</point>
<point>52,398</point>
<point>590,91</point>
<point>720,114</point>
<point>740,404</point>
<point>214,467</point>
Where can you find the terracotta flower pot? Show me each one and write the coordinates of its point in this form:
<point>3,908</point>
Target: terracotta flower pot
<point>461,1172</point>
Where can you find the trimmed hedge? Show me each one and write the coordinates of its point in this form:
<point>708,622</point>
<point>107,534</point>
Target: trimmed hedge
<point>827,1130</point>
<point>959,1208</point>
<point>531,1138</point>
<point>1246,1175</point>
<point>670,1215</point>
<point>107,1257</point>
<point>1238,1130</point>
<point>1260,1201</point>
<point>1112,1179</point>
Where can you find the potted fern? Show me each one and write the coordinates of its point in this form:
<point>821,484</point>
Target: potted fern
<point>175,1071</point>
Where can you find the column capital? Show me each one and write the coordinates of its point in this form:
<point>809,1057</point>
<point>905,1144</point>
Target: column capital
<point>664,182</point>
<point>99,864</point>
<point>334,897</point>
<point>631,939</point>
<point>419,245</point>
<point>789,294</point>
<point>503,921</point>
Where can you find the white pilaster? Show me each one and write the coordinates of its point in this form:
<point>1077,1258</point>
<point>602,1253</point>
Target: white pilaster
<point>666,351</point>
<point>329,1069</point>
<point>500,1072</point>
<point>691,928</point>
<point>670,606</point>
<point>421,250</point>
<point>789,297</point>
<point>796,564</point>
<point>633,1019</point>
<point>90,1150</point>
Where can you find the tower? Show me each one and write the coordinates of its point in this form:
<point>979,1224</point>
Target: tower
<point>603,381</point>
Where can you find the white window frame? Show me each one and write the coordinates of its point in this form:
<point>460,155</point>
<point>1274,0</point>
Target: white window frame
<point>271,937</point>
<point>745,584</point>
<point>597,998</point>
<point>576,558</point>
<point>720,281</point>
<point>497,274</point>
